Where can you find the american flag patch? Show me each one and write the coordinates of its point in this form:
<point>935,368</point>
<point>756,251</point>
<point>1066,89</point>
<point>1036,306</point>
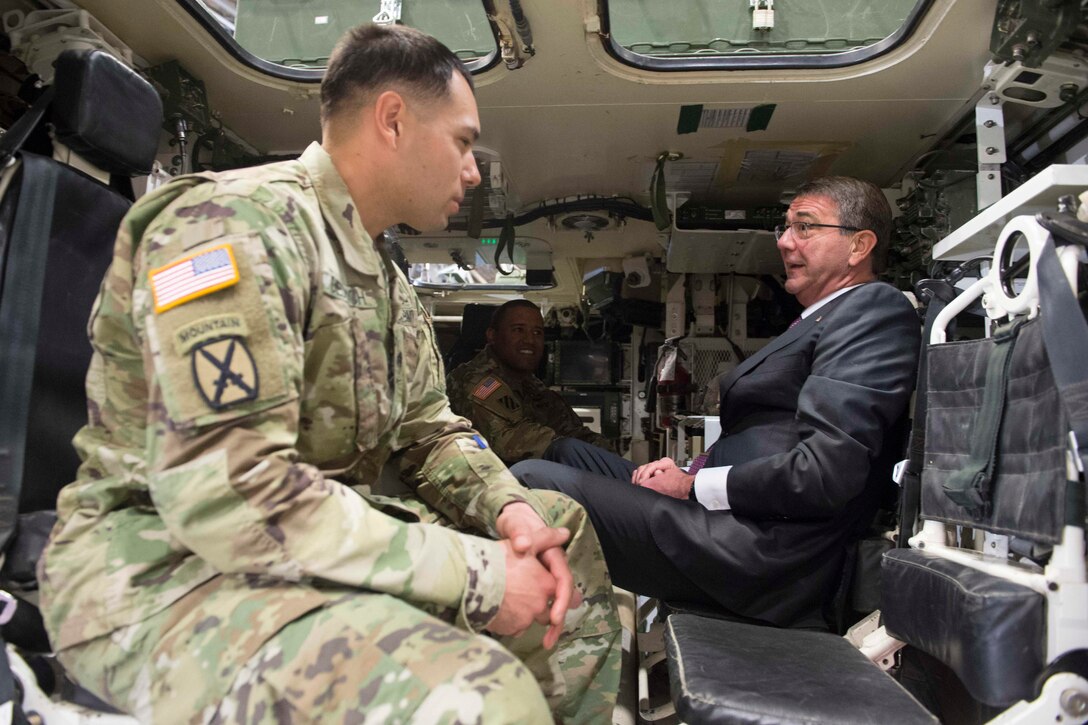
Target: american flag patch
<point>193,276</point>
<point>486,387</point>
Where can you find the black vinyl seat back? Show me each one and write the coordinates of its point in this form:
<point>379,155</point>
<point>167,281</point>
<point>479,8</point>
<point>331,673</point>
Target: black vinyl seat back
<point>111,117</point>
<point>1028,486</point>
<point>475,319</point>
<point>80,248</point>
<point>990,631</point>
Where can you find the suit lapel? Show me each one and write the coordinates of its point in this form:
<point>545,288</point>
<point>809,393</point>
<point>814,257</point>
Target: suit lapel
<point>794,333</point>
<point>770,348</point>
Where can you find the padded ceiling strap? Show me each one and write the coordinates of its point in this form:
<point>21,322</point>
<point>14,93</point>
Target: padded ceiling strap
<point>506,243</point>
<point>658,203</point>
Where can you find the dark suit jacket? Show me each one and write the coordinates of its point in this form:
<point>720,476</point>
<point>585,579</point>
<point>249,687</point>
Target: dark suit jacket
<point>811,425</point>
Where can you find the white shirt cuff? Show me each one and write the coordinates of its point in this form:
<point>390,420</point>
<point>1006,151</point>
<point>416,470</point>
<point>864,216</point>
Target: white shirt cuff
<point>710,487</point>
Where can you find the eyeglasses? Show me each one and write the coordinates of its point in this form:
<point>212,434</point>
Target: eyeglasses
<point>803,230</point>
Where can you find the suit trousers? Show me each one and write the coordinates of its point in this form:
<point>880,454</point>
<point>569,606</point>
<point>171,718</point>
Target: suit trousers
<point>624,515</point>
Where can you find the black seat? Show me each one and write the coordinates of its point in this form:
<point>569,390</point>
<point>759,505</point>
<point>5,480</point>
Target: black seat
<point>57,230</point>
<point>729,672</point>
<point>475,319</point>
<point>991,631</point>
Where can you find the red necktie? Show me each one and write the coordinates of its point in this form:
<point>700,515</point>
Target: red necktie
<point>699,462</point>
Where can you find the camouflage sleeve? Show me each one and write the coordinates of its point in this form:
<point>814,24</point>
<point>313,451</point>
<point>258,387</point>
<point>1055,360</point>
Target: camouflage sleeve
<point>511,431</point>
<point>448,464</point>
<point>224,471</point>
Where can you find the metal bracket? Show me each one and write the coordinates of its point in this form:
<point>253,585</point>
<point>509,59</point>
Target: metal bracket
<point>995,546</point>
<point>675,308</point>
<point>990,133</point>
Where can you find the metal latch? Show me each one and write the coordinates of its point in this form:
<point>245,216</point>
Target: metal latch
<point>762,14</point>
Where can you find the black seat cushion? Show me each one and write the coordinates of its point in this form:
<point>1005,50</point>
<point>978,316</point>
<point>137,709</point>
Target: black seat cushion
<point>728,672</point>
<point>989,631</point>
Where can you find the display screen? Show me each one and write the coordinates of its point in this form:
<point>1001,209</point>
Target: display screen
<point>579,362</point>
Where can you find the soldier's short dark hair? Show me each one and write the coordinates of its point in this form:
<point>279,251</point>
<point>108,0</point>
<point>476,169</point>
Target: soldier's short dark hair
<point>372,58</point>
<point>500,313</point>
<point>862,205</point>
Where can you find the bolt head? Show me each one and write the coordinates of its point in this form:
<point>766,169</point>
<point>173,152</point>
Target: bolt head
<point>1074,702</point>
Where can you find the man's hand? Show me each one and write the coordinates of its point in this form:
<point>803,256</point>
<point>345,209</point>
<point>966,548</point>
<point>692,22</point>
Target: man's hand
<point>530,590</point>
<point>664,476</point>
<point>527,535</point>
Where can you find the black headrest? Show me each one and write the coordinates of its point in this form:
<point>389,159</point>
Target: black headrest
<point>105,112</point>
<point>476,318</point>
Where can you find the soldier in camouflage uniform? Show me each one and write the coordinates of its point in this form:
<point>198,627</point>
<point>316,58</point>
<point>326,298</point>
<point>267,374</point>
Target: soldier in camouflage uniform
<point>499,392</point>
<point>257,360</point>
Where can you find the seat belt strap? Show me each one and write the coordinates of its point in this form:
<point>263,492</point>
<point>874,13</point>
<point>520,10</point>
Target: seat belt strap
<point>939,294</point>
<point>1065,334</point>
<point>20,131</point>
<point>970,485</point>
<point>20,310</point>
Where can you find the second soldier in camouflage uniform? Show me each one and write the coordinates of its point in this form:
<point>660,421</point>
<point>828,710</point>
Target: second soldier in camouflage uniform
<point>499,392</point>
<point>258,360</point>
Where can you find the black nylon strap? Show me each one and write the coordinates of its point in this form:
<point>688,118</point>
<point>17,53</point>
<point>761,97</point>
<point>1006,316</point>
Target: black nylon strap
<point>20,130</point>
<point>911,496</point>
<point>970,485</point>
<point>1065,334</point>
<point>8,690</point>
<point>20,308</point>
<point>7,680</point>
<point>506,243</point>
<point>658,205</point>
<point>475,223</point>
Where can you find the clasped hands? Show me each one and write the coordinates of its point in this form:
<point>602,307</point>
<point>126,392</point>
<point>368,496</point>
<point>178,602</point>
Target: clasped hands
<point>664,476</point>
<point>539,585</point>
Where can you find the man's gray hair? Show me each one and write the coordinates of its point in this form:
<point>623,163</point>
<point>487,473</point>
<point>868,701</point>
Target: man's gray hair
<point>861,204</point>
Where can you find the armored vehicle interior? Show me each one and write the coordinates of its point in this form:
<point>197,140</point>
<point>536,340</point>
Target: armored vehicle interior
<point>635,158</point>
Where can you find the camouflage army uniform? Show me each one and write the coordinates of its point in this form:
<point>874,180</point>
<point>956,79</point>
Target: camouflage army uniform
<point>515,411</point>
<point>255,354</point>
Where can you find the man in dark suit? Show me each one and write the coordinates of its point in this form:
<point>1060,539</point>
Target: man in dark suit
<point>811,426</point>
